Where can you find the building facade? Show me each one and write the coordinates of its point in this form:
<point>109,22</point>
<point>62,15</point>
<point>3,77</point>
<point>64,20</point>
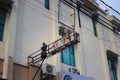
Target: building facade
<point>26,24</point>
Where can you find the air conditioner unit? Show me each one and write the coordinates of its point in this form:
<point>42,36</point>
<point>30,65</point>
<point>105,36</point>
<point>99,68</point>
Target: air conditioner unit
<point>49,70</point>
<point>74,71</point>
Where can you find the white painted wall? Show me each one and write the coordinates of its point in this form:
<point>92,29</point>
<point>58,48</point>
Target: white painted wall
<point>105,36</point>
<point>33,28</point>
<point>117,43</point>
<point>91,50</point>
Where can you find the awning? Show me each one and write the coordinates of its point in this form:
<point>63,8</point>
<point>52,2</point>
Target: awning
<point>6,3</point>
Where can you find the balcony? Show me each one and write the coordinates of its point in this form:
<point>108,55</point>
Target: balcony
<point>54,48</point>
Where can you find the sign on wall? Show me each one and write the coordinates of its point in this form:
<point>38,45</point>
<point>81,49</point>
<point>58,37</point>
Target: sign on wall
<point>66,75</point>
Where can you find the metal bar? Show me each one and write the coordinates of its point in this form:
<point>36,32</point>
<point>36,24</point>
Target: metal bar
<point>38,70</point>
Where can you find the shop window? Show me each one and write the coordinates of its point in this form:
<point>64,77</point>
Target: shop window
<point>94,20</point>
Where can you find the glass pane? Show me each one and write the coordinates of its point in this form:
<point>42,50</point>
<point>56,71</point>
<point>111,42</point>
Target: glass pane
<point>72,60</point>
<point>66,15</point>
<point>61,56</point>
<point>66,56</point>
<point>72,56</point>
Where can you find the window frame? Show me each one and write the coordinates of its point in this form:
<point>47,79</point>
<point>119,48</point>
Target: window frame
<point>70,62</point>
<point>59,5</point>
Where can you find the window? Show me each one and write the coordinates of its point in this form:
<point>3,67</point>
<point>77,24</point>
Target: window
<point>2,21</point>
<point>47,4</point>
<point>112,69</point>
<point>112,64</point>
<point>67,56</point>
<point>66,14</point>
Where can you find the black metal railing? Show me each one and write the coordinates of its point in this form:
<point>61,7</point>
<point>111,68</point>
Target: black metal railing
<point>53,48</point>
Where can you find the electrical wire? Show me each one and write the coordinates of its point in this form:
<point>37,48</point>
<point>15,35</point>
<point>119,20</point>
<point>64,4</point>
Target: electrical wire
<point>110,7</point>
<point>84,8</point>
<point>65,11</point>
<point>54,10</point>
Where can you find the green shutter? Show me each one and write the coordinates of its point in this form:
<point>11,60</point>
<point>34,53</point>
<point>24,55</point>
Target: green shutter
<point>47,4</point>
<point>59,10</point>
<point>79,22</point>
<point>3,12</point>
<point>112,70</point>
<point>67,56</point>
<point>94,27</point>
<point>72,56</point>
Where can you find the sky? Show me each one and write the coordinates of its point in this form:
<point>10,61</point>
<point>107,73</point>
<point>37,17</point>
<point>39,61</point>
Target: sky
<point>114,4</point>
